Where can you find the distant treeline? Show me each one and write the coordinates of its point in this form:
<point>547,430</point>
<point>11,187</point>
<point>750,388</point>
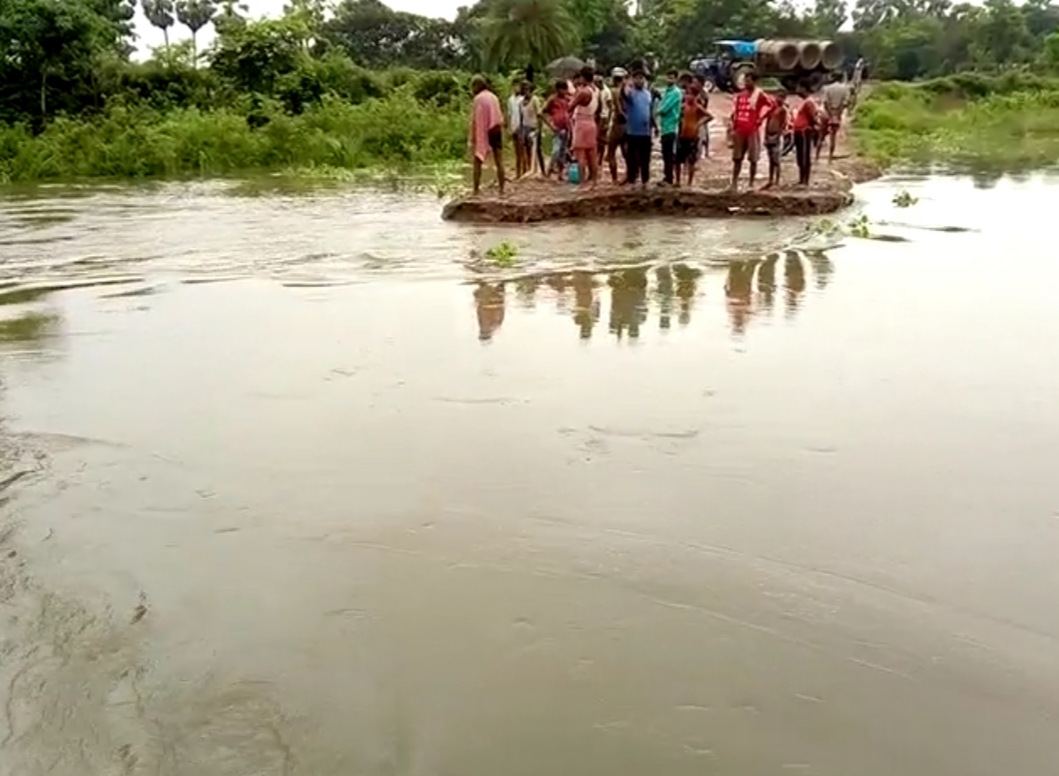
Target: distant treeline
<point>360,85</point>
<point>73,56</point>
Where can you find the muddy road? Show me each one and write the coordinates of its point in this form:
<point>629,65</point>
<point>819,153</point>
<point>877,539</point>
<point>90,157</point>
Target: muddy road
<point>302,483</point>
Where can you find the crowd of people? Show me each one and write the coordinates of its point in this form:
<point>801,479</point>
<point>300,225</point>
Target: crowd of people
<point>592,124</point>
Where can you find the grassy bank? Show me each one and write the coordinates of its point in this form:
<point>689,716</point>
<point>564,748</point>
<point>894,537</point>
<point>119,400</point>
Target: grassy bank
<point>395,131</point>
<point>1002,123</point>
<point>999,123</point>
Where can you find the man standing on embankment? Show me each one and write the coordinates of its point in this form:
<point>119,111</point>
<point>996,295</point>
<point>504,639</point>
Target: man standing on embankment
<point>669,107</point>
<point>638,120</point>
<point>749,108</point>
<point>837,97</point>
<point>486,132</point>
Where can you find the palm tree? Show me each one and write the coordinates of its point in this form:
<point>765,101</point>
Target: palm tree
<point>195,14</point>
<point>528,32</point>
<point>160,14</point>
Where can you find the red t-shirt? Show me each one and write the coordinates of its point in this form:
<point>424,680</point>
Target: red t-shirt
<point>749,111</point>
<point>805,118</point>
<point>558,110</point>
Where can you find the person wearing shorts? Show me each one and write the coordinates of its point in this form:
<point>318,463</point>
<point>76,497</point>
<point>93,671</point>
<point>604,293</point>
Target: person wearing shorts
<point>692,116</point>
<point>704,128</point>
<point>836,97</point>
<point>556,116</point>
<point>529,127</point>
<point>775,128</point>
<point>751,104</point>
<point>486,136</point>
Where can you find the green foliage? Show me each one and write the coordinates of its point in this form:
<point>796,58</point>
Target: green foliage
<point>374,35</point>
<point>904,199</point>
<point>392,86</point>
<point>528,32</point>
<point>503,254</point>
<point>394,131</point>
<point>1007,122</point>
<point>859,227</point>
<point>49,50</point>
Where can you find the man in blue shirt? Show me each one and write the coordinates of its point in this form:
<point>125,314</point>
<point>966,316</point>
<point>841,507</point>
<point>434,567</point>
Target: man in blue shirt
<point>637,100</point>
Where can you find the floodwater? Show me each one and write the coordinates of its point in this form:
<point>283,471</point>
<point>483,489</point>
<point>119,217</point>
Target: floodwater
<point>303,483</point>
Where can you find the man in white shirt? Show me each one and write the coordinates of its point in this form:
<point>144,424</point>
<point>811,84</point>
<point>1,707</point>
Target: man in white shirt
<point>514,128</point>
<point>836,101</point>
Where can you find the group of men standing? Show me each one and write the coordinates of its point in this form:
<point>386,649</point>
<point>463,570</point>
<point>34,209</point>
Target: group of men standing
<point>759,118</point>
<point>591,123</point>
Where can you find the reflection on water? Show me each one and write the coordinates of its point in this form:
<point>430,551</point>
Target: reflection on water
<point>634,294</point>
<point>269,507</point>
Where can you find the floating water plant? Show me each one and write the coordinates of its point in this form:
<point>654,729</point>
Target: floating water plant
<point>858,227</point>
<point>502,254</point>
<point>904,199</point>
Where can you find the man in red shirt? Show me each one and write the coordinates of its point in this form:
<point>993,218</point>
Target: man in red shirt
<point>751,106</point>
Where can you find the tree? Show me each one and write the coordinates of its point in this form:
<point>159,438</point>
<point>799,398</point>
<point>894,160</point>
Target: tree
<point>605,29</point>
<point>160,14</point>
<point>829,16</point>
<point>49,50</point>
<point>254,55</point>
<point>1049,56</point>
<point>230,15</point>
<point>195,14</point>
<point>528,32</point>
<point>374,35</point>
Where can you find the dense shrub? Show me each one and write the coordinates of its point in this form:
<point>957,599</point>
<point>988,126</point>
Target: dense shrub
<point>138,141</point>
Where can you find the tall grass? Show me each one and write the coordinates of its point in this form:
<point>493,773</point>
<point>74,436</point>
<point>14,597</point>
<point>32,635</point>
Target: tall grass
<point>1008,122</point>
<point>397,130</point>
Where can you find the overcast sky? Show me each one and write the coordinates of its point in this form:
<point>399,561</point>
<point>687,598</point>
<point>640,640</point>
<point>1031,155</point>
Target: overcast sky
<point>151,36</point>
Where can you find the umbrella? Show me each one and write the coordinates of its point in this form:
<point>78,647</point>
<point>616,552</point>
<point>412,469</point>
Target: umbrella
<point>565,67</point>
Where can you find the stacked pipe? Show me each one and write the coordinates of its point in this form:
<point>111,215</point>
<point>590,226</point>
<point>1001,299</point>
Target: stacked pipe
<point>809,54</point>
<point>775,55</point>
<point>830,55</point>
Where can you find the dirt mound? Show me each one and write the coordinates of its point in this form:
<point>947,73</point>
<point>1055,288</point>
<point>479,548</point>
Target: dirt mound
<point>551,201</point>
<point>533,199</point>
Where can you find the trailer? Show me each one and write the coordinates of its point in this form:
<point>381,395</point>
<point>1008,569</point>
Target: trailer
<point>791,62</point>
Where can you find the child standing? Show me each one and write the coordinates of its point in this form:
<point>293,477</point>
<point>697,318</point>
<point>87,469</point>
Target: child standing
<point>693,116</point>
<point>556,115</point>
<point>775,128</point>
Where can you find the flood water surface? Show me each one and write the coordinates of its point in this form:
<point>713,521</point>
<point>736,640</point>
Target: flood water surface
<point>309,485</point>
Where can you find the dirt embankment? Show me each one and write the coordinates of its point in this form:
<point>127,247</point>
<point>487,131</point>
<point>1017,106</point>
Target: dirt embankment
<point>534,199</point>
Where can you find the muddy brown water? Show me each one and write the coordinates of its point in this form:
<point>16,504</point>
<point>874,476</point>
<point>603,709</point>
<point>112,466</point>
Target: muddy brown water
<point>302,484</point>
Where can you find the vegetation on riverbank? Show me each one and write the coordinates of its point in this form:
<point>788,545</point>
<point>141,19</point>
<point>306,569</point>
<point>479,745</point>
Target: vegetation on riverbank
<point>397,131</point>
<point>1003,123</point>
<point>358,86</point>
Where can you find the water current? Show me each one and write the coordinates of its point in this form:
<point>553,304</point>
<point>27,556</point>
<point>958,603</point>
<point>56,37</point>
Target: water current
<point>304,483</point>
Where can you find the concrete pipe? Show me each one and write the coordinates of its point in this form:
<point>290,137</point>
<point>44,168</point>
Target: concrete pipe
<point>830,55</point>
<point>773,55</point>
<point>809,54</point>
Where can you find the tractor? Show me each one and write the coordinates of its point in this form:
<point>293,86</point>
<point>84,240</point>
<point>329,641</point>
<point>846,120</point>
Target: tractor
<point>789,62</point>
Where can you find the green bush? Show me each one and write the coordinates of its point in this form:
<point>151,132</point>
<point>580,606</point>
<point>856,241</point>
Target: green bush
<point>1004,122</point>
<point>139,141</point>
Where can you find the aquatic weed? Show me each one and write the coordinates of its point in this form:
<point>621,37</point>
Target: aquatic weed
<point>859,227</point>
<point>904,199</point>
<point>502,254</point>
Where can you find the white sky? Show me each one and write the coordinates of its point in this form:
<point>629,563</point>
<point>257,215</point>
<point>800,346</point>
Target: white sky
<point>151,36</point>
